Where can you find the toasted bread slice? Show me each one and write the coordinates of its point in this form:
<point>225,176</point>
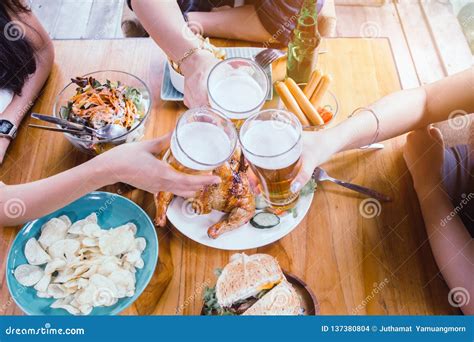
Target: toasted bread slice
<point>282,300</point>
<point>245,276</point>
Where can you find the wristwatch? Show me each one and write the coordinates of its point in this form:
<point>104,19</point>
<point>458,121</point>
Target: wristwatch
<point>7,129</point>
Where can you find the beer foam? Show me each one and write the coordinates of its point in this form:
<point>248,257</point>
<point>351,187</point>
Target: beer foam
<point>271,138</point>
<point>238,93</point>
<point>204,142</point>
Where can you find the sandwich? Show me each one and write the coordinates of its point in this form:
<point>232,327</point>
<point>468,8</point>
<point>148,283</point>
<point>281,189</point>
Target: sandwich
<point>252,285</point>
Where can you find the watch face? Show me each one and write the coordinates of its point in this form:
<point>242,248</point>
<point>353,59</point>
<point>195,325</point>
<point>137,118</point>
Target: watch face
<point>5,126</point>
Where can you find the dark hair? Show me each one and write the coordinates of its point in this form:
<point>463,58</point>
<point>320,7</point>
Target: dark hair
<point>17,55</point>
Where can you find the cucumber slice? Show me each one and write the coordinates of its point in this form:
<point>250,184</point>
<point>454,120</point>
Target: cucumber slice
<point>260,202</point>
<point>265,220</point>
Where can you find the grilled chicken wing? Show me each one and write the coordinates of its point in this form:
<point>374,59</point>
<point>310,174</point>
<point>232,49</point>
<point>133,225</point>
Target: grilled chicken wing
<point>233,196</point>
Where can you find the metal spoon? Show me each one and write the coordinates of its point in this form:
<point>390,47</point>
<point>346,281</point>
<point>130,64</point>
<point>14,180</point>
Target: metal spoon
<point>320,175</point>
<point>110,131</point>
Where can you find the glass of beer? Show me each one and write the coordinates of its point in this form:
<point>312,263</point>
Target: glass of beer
<point>202,140</point>
<point>237,87</point>
<point>272,143</point>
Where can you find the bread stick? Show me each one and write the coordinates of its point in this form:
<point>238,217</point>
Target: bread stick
<point>290,102</point>
<point>320,90</point>
<point>312,83</point>
<point>308,109</point>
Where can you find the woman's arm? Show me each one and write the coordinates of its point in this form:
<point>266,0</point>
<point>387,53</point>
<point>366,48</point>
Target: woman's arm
<point>233,23</point>
<point>44,50</point>
<point>165,24</point>
<point>398,113</point>
<point>133,163</point>
<point>408,110</point>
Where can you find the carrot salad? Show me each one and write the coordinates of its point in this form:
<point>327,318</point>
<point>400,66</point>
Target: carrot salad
<point>97,105</point>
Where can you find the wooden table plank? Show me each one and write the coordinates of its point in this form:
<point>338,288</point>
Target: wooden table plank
<point>428,64</point>
<point>355,265</point>
<point>451,44</point>
<point>366,21</point>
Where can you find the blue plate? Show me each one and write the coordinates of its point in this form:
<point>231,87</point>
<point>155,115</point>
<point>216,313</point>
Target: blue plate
<point>169,93</point>
<point>112,211</point>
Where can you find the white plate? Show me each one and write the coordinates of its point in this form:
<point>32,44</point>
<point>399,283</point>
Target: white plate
<point>246,237</point>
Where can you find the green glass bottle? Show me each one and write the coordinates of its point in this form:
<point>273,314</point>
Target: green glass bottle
<point>302,53</point>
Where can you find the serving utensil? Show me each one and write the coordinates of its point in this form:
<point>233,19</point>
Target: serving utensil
<point>321,175</point>
<point>62,130</point>
<point>268,56</point>
<point>107,132</point>
<point>58,121</point>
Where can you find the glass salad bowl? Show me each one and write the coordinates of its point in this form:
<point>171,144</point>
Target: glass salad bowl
<point>101,98</point>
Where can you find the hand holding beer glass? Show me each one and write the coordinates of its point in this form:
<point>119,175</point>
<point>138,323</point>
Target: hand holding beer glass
<point>202,140</point>
<point>272,143</point>
<point>237,87</point>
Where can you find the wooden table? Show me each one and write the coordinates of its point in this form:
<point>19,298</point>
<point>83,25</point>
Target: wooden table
<point>355,265</point>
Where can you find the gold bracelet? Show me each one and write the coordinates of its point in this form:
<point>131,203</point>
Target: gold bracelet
<point>377,132</point>
<point>187,54</point>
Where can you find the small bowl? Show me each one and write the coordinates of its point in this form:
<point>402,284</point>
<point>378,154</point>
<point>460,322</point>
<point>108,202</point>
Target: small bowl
<point>96,146</point>
<point>329,101</point>
<point>177,80</point>
<point>112,211</point>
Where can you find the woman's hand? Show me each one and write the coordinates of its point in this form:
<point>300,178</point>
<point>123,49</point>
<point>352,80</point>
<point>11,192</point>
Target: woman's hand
<point>318,147</point>
<point>424,155</point>
<point>196,70</point>
<point>137,165</point>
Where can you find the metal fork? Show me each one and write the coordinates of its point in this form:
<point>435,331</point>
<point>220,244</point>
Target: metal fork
<point>268,56</point>
<point>320,175</point>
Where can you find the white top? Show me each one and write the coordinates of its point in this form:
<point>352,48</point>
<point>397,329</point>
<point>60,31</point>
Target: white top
<point>6,97</point>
